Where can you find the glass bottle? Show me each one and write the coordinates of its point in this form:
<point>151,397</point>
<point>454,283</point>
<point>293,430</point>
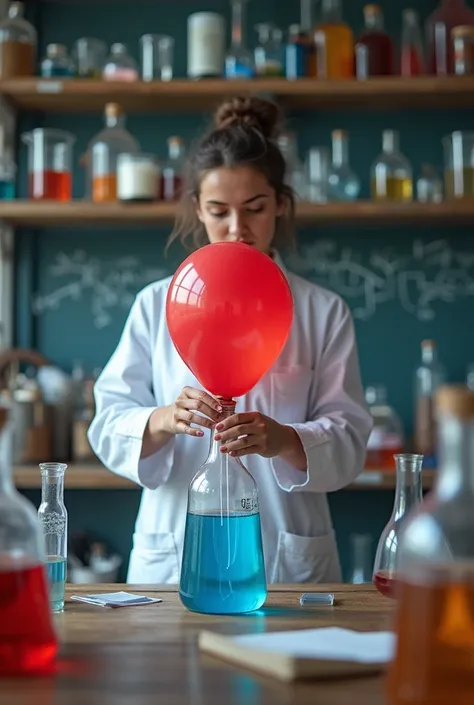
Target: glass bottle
<point>344,184</point>
<point>223,569</point>
<point>361,552</point>
<point>334,42</point>
<point>470,376</point>
<point>206,45</point>
<point>317,173</point>
<point>434,623</point>
<point>429,186</point>
<point>429,375</point>
<point>57,62</point>
<point>239,61</point>
<point>28,644</point>
<point>379,55</point>
<point>120,66</point>
<point>295,175</point>
<point>408,494</point>
<point>173,170</point>
<point>17,44</point>
<point>102,155</point>
<point>297,53</point>
<point>268,52</point>
<point>412,60</point>
<point>50,163</point>
<point>7,170</point>
<point>386,439</point>
<point>391,172</point>
<point>89,56</point>
<point>448,14</point>
<point>52,515</point>
<point>458,150</point>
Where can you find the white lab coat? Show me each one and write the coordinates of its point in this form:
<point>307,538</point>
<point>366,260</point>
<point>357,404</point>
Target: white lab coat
<point>314,386</point>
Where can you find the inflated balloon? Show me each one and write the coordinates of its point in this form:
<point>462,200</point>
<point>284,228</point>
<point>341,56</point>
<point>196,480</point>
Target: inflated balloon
<point>229,311</point>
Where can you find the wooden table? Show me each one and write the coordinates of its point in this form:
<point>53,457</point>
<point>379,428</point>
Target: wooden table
<point>148,655</point>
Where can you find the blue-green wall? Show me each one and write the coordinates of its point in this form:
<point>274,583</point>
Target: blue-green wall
<point>388,340</point>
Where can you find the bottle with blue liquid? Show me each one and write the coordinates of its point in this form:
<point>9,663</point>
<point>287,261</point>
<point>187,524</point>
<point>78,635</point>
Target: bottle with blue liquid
<point>52,515</point>
<point>239,62</point>
<point>7,170</point>
<point>223,570</point>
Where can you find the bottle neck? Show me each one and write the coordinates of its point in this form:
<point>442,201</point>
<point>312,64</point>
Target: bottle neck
<point>456,456</point>
<point>428,355</point>
<point>331,12</point>
<point>374,21</point>
<point>390,141</point>
<point>408,490</point>
<point>339,150</point>
<point>175,150</point>
<point>52,486</point>
<point>237,23</point>
<point>228,409</point>
<point>115,121</point>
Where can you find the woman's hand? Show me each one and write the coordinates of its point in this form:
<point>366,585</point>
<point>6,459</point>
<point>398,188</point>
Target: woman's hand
<point>193,406</point>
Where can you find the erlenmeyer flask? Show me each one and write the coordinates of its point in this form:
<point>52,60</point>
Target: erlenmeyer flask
<point>408,493</point>
<point>28,644</point>
<point>223,570</point>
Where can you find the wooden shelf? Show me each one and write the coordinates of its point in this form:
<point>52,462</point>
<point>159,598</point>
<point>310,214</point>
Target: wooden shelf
<point>81,213</point>
<point>76,95</point>
<point>96,477</point>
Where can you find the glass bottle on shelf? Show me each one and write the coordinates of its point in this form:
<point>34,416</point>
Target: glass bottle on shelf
<point>458,150</point>
<point>412,60</point>
<point>52,515</point>
<point>297,53</point>
<point>295,175</point>
<point>408,494</point>
<point>17,44</point>
<point>50,158</point>
<point>334,42</point>
<point>433,623</point>
<point>429,185</point>
<point>306,35</point>
<point>89,56</point>
<point>206,45</point>
<point>317,173</point>
<point>57,63</point>
<point>7,170</point>
<point>391,172</point>
<point>28,643</point>
<point>448,14</point>
<point>173,170</point>
<point>386,439</point>
<point>120,66</point>
<point>222,570</point>
<point>343,182</point>
<point>102,155</point>
<point>429,375</point>
<point>361,558</point>
<point>239,61</point>
<point>268,52</point>
<point>379,46</point>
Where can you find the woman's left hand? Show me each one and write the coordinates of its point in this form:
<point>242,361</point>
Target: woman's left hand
<point>253,432</point>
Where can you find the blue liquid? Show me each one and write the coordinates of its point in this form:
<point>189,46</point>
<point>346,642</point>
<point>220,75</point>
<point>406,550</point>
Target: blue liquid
<point>56,570</point>
<point>7,190</point>
<point>223,570</point>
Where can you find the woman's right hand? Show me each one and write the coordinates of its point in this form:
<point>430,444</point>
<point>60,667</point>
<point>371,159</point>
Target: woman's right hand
<point>192,408</point>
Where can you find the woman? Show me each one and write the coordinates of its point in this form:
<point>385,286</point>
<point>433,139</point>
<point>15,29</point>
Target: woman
<point>302,429</point>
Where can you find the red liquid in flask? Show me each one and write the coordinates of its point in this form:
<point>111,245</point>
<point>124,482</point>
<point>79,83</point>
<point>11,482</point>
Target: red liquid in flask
<point>385,582</point>
<point>53,185</point>
<point>171,186</point>
<point>28,644</point>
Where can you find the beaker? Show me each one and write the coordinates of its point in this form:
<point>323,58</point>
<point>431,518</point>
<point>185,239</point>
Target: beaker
<point>157,57</point>
<point>49,163</point>
<point>52,515</point>
<point>223,569</point>
<point>459,165</point>
<point>408,493</point>
<point>89,56</point>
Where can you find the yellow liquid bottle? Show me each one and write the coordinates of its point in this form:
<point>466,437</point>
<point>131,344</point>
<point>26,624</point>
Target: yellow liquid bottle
<point>391,174</point>
<point>334,42</point>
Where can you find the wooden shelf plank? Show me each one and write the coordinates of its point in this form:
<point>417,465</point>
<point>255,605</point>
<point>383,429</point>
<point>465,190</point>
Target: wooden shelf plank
<point>96,477</point>
<point>81,213</point>
<point>83,95</point>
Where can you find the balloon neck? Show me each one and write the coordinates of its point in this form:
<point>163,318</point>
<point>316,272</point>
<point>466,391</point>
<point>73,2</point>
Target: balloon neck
<point>228,406</point>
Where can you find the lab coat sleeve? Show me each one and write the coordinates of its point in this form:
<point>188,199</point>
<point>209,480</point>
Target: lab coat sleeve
<point>124,401</point>
<point>335,436</point>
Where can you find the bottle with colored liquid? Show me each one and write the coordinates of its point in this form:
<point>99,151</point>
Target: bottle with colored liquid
<point>448,14</point>
<point>239,62</point>
<point>52,515</point>
<point>334,42</point>
<point>434,616</point>
<point>172,176</point>
<point>50,157</point>
<point>379,46</point>
<point>223,569</point>
<point>269,50</point>
<point>412,60</point>
<point>391,178</point>
<point>57,63</point>
<point>408,494</point>
<point>28,643</point>
<point>7,170</point>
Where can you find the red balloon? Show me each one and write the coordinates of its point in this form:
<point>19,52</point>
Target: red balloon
<point>229,311</point>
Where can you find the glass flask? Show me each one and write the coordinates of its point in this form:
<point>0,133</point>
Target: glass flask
<point>239,61</point>
<point>52,515</point>
<point>119,65</point>
<point>57,63</point>
<point>317,174</point>
<point>434,618</point>
<point>268,52</point>
<point>343,182</point>
<point>173,170</point>
<point>391,172</point>
<point>412,60</point>
<point>379,45</point>
<point>295,176</point>
<point>362,562</point>
<point>89,56</point>
<point>459,165</point>
<point>102,155</point>
<point>7,170</point>
<point>429,186</point>
<point>334,42</point>
<point>429,375</point>
<point>408,493</point>
<point>157,57</point>
<point>223,569</point>
<point>386,439</point>
<point>50,154</point>
<point>17,44</point>
<point>28,644</point>
<point>448,14</point>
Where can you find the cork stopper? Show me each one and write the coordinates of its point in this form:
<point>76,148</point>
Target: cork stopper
<point>372,9</point>
<point>455,399</point>
<point>462,30</point>
<point>113,110</point>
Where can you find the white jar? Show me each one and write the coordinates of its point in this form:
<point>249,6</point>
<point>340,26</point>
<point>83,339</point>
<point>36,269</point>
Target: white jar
<point>138,177</point>
<point>206,45</point>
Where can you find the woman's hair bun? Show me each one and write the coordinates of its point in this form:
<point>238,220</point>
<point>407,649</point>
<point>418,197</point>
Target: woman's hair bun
<point>250,112</point>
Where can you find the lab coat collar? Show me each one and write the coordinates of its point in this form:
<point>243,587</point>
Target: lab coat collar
<point>275,255</point>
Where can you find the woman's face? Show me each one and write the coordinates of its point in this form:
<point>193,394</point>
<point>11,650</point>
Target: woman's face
<point>238,205</point>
